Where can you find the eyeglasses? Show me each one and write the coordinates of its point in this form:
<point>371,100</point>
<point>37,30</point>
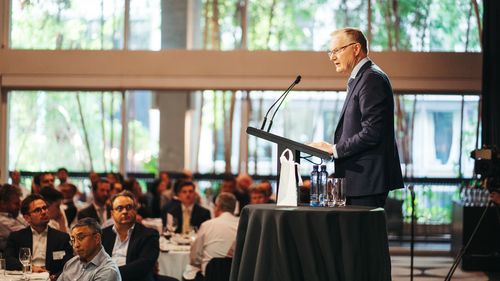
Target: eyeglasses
<point>336,51</point>
<point>39,209</point>
<point>79,237</point>
<point>126,207</point>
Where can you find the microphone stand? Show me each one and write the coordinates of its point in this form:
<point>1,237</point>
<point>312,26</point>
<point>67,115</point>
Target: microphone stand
<point>282,97</point>
<point>412,230</point>
<point>464,249</point>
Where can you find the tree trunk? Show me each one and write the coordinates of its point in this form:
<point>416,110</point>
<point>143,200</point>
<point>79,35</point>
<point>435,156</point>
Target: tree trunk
<point>479,27</point>
<point>243,8</point>
<point>103,128</point>
<point>85,133</point>
<point>369,27</point>
<point>207,24</point>
<point>215,138</point>
<point>112,129</point>
<point>397,23</point>
<point>215,25</point>
<point>270,23</point>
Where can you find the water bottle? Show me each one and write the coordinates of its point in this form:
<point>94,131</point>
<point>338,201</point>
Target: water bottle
<point>322,182</point>
<point>314,202</point>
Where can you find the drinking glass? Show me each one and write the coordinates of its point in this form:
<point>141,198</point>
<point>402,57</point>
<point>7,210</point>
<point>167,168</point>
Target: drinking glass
<point>339,192</point>
<point>2,267</point>
<point>171,224</point>
<point>330,198</point>
<point>25,259</point>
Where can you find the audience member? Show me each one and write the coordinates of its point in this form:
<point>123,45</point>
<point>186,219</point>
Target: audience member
<point>229,185</point>
<point>98,209</point>
<point>10,219</point>
<point>92,263</point>
<point>132,185</point>
<point>15,177</point>
<point>69,191</point>
<point>270,196</point>
<point>186,212</point>
<point>62,175</point>
<point>216,237</point>
<point>53,198</point>
<point>47,179</point>
<point>495,197</point>
<point>35,183</point>
<point>160,193</point>
<point>258,195</point>
<point>116,188</point>
<point>50,247</point>
<point>132,246</point>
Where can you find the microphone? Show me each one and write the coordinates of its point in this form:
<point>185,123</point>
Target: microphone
<point>282,97</point>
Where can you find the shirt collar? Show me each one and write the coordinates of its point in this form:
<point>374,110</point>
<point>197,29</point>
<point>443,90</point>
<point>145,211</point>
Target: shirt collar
<point>43,233</point>
<point>97,260</point>
<point>189,208</point>
<point>358,66</point>
<point>129,232</point>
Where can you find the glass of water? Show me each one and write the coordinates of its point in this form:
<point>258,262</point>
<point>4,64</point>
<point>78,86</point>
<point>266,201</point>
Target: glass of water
<point>339,192</point>
<point>25,259</point>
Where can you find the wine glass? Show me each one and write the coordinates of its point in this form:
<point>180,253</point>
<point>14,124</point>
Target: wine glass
<point>25,259</point>
<point>171,224</point>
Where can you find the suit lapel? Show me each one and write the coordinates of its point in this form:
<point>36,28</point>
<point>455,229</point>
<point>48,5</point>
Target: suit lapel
<point>109,244</point>
<point>351,91</point>
<point>48,249</point>
<point>132,241</point>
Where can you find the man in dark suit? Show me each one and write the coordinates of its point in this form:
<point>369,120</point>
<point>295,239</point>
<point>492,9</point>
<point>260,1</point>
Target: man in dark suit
<point>50,248</point>
<point>184,211</point>
<point>98,209</point>
<point>132,246</point>
<point>364,146</point>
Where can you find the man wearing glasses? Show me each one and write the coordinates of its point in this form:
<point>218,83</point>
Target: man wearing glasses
<point>364,146</point>
<point>50,248</point>
<point>92,263</point>
<point>132,246</point>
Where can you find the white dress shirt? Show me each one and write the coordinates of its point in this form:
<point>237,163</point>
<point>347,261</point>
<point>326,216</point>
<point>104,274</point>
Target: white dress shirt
<point>120,248</point>
<point>9,224</point>
<point>215,239</point>
<point>39,247</point>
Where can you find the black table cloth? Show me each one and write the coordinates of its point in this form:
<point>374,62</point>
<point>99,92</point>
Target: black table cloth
<point>304,243</point>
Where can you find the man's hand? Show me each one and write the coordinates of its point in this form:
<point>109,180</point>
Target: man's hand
<point>38,269</point>
<point>322,146</point>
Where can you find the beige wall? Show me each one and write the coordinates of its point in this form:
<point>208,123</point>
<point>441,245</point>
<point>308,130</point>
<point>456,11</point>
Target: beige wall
<point>183,70</point>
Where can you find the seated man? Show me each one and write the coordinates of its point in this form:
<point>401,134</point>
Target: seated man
<point>216,237</point>
<point>10,219</point>
<point>57,217</point>
<point>98,209</point>
<point>258,195</point>
<point>132,246</point>
<point>50,248</point>
<point>92,262</point>
<point>187,213</point>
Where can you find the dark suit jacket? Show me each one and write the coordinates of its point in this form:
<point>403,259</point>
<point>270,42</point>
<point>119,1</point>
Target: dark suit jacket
<point>198,215</point>
<point>142,253</point>
<point>56,241</point>
<point>366,148</point>
<point>90,212</point>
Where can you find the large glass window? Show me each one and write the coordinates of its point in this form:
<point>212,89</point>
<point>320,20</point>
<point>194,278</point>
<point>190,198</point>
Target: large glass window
<point>77,130</point>
<point>405,25</point>
<point>69,24</point>
<point>434,138</point>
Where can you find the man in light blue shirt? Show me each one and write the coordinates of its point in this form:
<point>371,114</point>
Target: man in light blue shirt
<point>92,263</point>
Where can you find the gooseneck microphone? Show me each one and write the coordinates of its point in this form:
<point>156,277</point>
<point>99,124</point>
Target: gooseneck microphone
<point>281,99</point>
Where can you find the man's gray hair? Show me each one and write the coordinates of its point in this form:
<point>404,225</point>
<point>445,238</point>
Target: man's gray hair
<point>90,223</point>
<point>226,202</point>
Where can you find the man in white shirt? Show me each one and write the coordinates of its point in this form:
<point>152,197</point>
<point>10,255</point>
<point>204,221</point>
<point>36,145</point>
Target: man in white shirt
<point>50,248</point>
<point>10,220</point>
<point>216,237</point>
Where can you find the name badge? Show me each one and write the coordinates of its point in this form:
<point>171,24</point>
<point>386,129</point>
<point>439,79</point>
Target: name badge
<point>58,255</point>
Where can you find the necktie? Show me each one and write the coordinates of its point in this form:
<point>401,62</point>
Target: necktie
<point>186,218</point>
<point>349,83</point>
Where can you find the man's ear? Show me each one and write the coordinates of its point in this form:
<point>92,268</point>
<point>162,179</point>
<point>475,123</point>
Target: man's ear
<point>27,218</point>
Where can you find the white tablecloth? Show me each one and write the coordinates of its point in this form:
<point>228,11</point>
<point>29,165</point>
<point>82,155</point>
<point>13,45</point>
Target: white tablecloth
<point>18,275</point>
<point>173,258</point>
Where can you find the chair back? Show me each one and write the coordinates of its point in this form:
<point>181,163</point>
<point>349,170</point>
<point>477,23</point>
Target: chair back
<point>218,269</point>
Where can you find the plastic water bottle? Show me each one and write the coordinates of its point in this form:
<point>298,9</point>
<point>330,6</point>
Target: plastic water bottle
<point>314,202</point>
<point>322,182</point>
